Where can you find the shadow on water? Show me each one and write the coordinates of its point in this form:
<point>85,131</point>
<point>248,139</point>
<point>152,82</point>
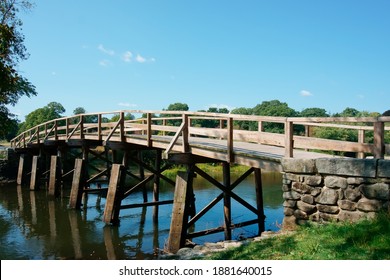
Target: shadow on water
<point>33,226</point>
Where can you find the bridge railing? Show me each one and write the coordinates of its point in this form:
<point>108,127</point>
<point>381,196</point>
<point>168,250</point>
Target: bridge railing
<point>372,134</point>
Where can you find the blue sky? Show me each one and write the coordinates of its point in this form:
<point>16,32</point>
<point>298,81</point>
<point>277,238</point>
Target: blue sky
<point>113,55</point>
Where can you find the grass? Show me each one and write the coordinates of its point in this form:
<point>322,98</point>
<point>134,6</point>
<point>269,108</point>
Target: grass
<point>364,240</point>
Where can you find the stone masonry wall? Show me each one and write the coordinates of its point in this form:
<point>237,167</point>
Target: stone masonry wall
<point>334,189</point>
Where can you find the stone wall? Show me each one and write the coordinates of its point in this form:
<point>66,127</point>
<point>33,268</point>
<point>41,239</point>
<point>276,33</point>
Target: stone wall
<point>334,189</point>
<point>8,165</point>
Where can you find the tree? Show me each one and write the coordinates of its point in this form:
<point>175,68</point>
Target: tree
<point>274,108</point>
<point>175,107</point>
<point>209,122</point>
<point>51,111</point>
<point>12,51</point>
<point>244,125</point>
<point>314,112</point>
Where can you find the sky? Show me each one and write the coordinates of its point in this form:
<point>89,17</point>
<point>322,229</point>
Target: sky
<point>144,55</point>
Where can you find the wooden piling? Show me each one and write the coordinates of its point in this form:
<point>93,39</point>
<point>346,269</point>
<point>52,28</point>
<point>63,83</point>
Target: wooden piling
<point>113,200</point>
<point>19,180</point>
<point>53,179</point>
<point>227,202</point>
<point>156,185</point>
<point>34,173</point>
<point>259,200</point>
<point>76,192</point>
<point>178,229</point>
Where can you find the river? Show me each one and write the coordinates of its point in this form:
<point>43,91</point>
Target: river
<point>33,226</point>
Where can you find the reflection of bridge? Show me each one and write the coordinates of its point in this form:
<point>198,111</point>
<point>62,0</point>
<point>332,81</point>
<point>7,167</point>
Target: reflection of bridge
<point>184,138</point>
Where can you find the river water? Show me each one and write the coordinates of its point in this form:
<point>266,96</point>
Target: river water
<point>33,226</point>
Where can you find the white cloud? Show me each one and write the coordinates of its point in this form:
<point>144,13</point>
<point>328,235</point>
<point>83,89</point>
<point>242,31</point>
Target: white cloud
<point>305,93</point>
<point>142,59</point>
<point>104,63</point>
<point>106,51</point>
<point>127,56</point>
<point>125,104</point>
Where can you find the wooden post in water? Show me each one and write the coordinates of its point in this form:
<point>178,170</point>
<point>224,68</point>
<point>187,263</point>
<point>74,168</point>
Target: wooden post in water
<point>76,193</point>
<point>259,200</point>
<point>227,202</point>
<point>156,185</point>
<point>53,179</point>
<point>113,200</point>
<point>179,221</point>
<point>34,173</point>
<point>19,180</point>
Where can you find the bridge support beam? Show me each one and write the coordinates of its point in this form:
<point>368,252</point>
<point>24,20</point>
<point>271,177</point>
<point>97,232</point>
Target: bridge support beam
<point>34,173</point>
<point>54,181</point>
<point>19,179</point>
<point>114,196</point>
<point>77,184</point>
<point>180,212</point>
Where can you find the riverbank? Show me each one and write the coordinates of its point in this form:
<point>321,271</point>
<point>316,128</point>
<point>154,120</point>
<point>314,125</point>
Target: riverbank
<point>364,240</point>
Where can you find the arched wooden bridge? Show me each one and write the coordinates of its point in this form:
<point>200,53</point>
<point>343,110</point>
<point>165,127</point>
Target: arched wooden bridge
<point>186,138</point>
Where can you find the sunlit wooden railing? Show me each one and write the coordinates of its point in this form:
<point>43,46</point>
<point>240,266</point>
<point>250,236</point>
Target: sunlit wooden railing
<point>183,125</point>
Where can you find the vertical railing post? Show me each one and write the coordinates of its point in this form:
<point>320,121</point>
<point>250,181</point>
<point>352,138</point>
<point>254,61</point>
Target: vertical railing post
<point>81,126</point>
<point>185,132</point>
<point>379,140</point>
<point>122,126</point>
<point>67,128</point>
<point>361,140</point>
<point>288,136</point>
<point>55,130</point>
<point>230,152</point>
<point>149,129</point>
<point>99,127</point>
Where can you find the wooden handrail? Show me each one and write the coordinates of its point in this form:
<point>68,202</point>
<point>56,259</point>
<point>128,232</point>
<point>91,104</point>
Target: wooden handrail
<point>163,123</point>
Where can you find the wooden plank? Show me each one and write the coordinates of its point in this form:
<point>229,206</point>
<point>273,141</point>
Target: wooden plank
<point>179,220</point>
<point>77,188</point>
<point>289,142</point>
<point>111,209</point>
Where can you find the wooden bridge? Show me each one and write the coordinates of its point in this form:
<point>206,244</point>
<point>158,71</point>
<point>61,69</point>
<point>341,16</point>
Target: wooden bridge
<point>186,138</point>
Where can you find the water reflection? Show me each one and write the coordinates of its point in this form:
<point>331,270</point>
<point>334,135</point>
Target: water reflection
<point>33,226</point>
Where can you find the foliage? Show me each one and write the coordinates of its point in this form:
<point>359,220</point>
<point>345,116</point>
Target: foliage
<point>51,111</point>
<point>313,112</point>
<point>12,51</point>
<point>364,240</point>
<point>209,122</point>
<point>175,107</point>
<point>8,124</point>
<point>274,108</point>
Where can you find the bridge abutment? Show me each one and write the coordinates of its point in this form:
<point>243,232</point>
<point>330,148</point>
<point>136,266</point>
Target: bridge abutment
<point>334,189</point>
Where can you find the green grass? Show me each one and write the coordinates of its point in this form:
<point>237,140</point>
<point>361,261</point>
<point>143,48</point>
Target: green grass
<point>365,240</point>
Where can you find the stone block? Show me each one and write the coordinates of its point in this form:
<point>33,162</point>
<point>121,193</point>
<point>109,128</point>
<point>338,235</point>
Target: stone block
<point>328,209</point>
<point>308,208</point>
<point>289,223</point>
<point>347,205</point>
<point>301,187</point>
<point>288,211</point>
<point>352,194</point>
<point>313,180</point>
<point>290,203</point>
<point>336,182</point>
<point>293,195</point>
<point>352,216</point>
<point>302,215</point>
<point>384,168</point>
<point>308,199</point>
<point>302,166</point>
<point>347,167</point>
<point>369,205</point>
<point>315,191</point>
<point>376,191</point>
<point>328,197</point>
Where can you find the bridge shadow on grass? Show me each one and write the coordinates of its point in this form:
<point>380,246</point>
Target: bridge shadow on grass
<point>365,240</point>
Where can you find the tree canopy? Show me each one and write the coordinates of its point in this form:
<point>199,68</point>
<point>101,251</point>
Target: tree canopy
<point>51,111</point>
<point>12,51</point>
